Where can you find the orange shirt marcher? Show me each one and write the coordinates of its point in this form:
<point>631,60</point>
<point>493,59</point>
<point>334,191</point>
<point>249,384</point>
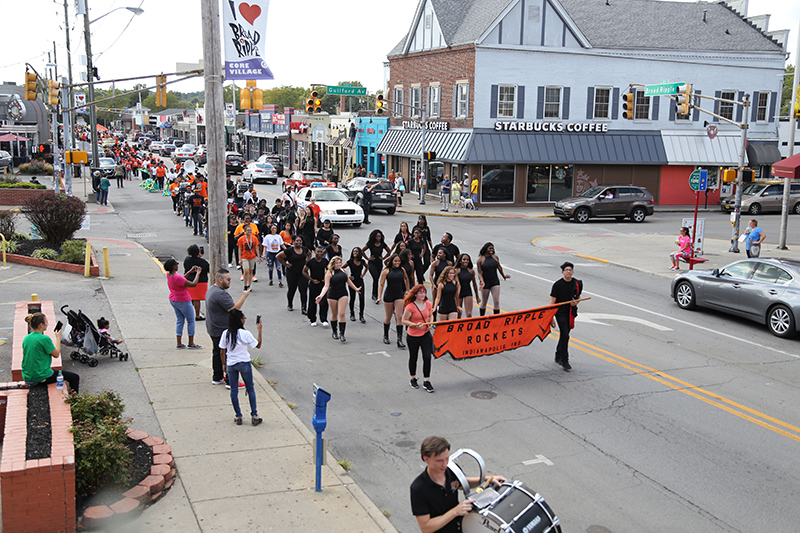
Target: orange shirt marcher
<point>174,188</point>
<point>204,190</point>
<point>161,172</point>
<point>240,229</point>
<point>248,246</point>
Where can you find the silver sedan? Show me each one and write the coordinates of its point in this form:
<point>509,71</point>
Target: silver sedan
<point>764,290</point>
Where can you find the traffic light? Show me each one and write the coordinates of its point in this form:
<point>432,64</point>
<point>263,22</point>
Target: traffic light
<point>430,156</point>
<point>30,85</point>
<point>52,92</point>
<point>244,98</point>
<point>161,91</point>
<point>627,105</point>
<point>684,99</point>
<point>258,99</point>
<point>317,102</point>
<point>379,105</point>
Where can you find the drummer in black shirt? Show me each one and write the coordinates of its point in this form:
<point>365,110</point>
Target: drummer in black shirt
<point>434,493</point>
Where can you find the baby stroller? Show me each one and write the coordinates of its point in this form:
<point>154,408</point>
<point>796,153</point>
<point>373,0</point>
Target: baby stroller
<point>84,335</point>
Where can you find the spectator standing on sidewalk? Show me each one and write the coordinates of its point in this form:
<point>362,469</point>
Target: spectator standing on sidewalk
<point>456,195</point>
<point>105,184</point>
<point>567,289</point>
<point>447,186</point>
<point>400,187</point>
<point>755,236</point>
<point>181,300</point>
<point>233,351</point>
<point>219,304</point>
<point>473,192</point>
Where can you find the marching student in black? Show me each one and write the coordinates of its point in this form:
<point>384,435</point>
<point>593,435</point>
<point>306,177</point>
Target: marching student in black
<point>488,268</point>
<point>447,290</point>
<point>294,260</point>
<point>419,251</point>
<point>567,289</point>
<point>425,230</point>
<point>333,249</point>
<point>373,251</point>
<point>437,267</point>
<point>357,267</point>
<point>336,282</point>
<point>466,278</point>
<point>324,234</point>
<point>314,272</point>
<point>408,264</point>
<point>395,280</point>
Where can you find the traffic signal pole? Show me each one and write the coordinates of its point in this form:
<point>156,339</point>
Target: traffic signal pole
<point>789,153</point>
<point>87,37</point>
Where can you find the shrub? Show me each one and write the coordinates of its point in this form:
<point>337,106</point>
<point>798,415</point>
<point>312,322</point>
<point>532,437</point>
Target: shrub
<point>20,236</point>
<point>73,252</point>
<point>101,456</point>
<point>45,253</point>
<point>22,185</point>
<point>57,217</point>
<point>7,223</point>
<point>37,166</point>
<point>11,247</point>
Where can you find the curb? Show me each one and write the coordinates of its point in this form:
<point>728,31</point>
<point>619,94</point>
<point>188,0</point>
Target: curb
<point>459,215</point>
<point>94,270</point>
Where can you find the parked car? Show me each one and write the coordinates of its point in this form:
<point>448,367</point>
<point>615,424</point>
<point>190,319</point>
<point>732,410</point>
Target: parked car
<point>256,171</point>
<point>155,147</point>
<point>273,160</point>
<point>764,196</point>
<point>200,155</point>
<point>183,153</point>
<point>302,178</point>
<point>764,290</point>
<point>178,143</point>
<point>167,149</point>
<point>6,161</point>
<point>106,166</point>
<point>333,203</point>
<point>618,201</point>
<point>383,196</point>
<point>234,163</point>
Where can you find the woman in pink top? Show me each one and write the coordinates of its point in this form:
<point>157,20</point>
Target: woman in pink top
<point>181,300</point>
<point>684,242</point>
<point>417,312</point>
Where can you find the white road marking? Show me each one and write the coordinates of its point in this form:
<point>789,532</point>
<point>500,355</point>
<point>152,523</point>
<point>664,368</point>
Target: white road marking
<point>539,459</point>
<point>679,321</point>
<point>383,353</point>
<point>595,318</point>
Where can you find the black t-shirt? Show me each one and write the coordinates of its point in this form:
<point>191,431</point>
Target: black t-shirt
<point>196,203</point>
<point>430,498</point>
<point>324,236</point>
<point>331,253</point>
<point>564,292</point>
<point>316,269</point>
<point>190,261</point>
<point>298,260</point>
<point>451,250</point>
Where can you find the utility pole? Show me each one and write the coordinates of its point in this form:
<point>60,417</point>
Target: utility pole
<point>215,134</point>
<point>789,153</point>
<point>87,37</point>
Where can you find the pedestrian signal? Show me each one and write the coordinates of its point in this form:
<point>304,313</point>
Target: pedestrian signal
<point>729,175</point>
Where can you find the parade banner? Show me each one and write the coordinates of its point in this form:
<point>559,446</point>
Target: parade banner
<point>487,335</point>
<point>245,24</point>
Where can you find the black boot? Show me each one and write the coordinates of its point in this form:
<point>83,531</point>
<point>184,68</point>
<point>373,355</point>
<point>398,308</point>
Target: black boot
<point>386,334</point>
<point>342,326</point>
<point>496,311</point>
<point>334,332</point>
<point>400,343</point>
<point>483,312</point>
<point>361,317</point>
<point>565,364</point>
<point>352,316</point>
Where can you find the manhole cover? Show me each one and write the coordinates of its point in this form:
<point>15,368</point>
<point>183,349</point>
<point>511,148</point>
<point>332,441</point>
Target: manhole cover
<point>141,235</point>
<point>483,394</point>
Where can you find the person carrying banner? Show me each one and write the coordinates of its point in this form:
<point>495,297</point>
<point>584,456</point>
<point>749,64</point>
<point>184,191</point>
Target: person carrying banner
<point>417,313</point>
<point>567,289</point>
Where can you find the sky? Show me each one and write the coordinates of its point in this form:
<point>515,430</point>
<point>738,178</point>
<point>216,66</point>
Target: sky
<point>307,42</point>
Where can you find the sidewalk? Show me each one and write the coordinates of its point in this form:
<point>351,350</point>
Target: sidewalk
<point>230,478</point>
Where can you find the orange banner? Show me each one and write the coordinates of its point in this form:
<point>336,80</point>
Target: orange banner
<point>491,334</point>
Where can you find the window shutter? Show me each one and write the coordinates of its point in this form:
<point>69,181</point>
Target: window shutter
<point>565,105</point>
<point>590,103</point>
<point>655,100</point>
<point>540,102</point>
<point>695,112</point>
<point>754,107</point>
<point>773,99</point>
<point>740,97</point>
<point>493,109</point>
<point>521,101</point>
<point>466,104</point>
<point>672,111</point>
<point>717,94</point>
<point>615,103</point>
<point>455,101</point>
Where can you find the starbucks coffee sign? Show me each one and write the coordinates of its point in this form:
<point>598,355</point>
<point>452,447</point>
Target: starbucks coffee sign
<point>431,125</point>
<point>552,127</point>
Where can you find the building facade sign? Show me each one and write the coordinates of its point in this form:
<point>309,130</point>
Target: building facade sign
<point>552,127</point>
<point>431,125</point>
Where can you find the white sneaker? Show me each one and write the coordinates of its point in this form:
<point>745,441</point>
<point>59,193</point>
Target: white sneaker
<point>313,324</point>
<point>325,324</point>
<point>230,265</point>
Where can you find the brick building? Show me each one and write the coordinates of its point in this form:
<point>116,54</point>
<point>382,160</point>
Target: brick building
<point>525,95</point>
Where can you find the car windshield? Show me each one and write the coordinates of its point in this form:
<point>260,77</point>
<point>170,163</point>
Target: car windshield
<point>594,191</point>
<point>107,161</point>
<point>753,189</point>
<point>313,177</point>
<point>188,147</point>
<point>330,196</point>
<point>235,159</point>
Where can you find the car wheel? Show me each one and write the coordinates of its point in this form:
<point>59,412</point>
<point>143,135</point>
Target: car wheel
<point>796,208</point>
<point>781,322</point>
<point>391,210</point>
<point>582,215</point>
<point>685,296</point>
<point>755,208</point>
<point>638,215</point>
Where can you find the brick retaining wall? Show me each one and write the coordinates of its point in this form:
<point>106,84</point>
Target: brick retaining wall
<point>18,197</point>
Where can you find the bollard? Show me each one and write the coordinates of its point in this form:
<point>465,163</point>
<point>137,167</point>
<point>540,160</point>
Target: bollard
<point>105,261</point>
<point>4,249</point>
<point>319,421</point>
<point>34,297</point>
<point>88,262</point>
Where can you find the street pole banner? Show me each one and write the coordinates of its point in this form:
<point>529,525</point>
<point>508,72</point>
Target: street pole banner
<point>245,24</point>
<point>488,335</point>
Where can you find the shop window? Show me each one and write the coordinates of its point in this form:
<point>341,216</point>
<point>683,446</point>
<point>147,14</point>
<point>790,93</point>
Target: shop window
<point>602,102</point>
<point>726,108</point>
<point>462,99</point>
<point>397,96</point>
<point>641,106</point>
<point>505,100</point>
<point>435,175</point>
<point>552,102</point>
<point>434,101</point>
<point>548,183</point>
<point>762,102</point>
<point>497,184</point>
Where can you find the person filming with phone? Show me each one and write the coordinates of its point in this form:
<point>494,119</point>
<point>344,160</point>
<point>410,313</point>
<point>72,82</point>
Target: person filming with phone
<point>38,350</point>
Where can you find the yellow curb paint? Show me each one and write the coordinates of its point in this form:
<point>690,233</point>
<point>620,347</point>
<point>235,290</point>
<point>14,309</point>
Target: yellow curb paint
<point>604,261</point>
<point>161,266</point>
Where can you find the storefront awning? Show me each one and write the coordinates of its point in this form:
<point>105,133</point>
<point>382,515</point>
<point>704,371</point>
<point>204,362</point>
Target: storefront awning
<point>762,154</point>
<point>788,168</point>
<point>697,148</point>
<point>448,145</point>
<point>622,148</point>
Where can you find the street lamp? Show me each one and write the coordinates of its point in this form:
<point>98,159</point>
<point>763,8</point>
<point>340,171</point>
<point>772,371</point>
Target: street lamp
<point>90,72</point>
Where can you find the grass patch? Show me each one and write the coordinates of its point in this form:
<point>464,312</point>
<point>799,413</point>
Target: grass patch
<point>346,464</point>
<point>292,405</point>
<point>258,362</point>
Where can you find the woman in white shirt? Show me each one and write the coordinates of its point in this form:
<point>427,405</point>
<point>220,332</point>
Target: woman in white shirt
<point>233,350</point>
<point>272,247</point>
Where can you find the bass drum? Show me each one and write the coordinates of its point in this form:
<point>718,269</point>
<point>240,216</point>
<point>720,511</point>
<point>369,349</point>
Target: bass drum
<point>516,510</point>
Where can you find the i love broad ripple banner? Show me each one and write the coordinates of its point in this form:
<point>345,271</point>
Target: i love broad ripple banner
<point>245,24</point>
<point>491,334</point>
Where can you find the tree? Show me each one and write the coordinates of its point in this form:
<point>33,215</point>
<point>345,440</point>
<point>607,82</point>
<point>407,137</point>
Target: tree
<point>786,95</point>
<point>286,96</point>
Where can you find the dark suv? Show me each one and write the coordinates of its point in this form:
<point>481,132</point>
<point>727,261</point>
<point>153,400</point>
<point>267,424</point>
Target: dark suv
<point>383,196</point>
<point>618,201</point>
<point>234,163</point>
